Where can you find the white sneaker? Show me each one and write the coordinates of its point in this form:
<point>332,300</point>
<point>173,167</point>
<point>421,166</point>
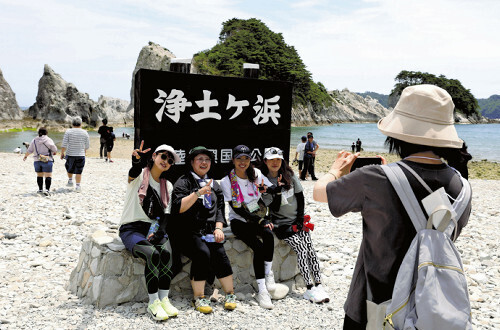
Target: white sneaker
<point>264,300</point>
<point>168,307</point>
<point>70,183</point>
<point>270,284</point>
<point>46,193</point>
<point>313,296</point>
<point>78,188</point>
<point>320,290</point>
<point>156,311</point>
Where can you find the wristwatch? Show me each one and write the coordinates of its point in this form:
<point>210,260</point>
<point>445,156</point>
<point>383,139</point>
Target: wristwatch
<point>197,192</point>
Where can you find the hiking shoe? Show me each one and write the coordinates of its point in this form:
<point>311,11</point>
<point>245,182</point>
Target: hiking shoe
<point>313,296</point>
<point>78,188</point>
<point>320,290</point>
<point>168,307</point>
<point>70,183</point>
<point>230,301</point>
<point>202,304</point>
<point>264,300</point>
<point>270,284</point>
<point>156,311</point>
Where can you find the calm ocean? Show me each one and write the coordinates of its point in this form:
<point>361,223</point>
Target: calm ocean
<point>483,139</point>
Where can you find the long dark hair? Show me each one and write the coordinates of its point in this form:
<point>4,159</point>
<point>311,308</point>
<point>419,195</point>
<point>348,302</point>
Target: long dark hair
<point>285,171</point>
<point>250,172</point>
<point>456,158</point>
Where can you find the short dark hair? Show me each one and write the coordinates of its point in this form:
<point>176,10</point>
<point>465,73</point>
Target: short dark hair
<point>42,131</point>
<point>105,121</point>
<point>304,139</point>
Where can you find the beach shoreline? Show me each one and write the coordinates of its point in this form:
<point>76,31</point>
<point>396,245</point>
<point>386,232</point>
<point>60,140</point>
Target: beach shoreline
<point>41,240</point>
<point>325,157</point>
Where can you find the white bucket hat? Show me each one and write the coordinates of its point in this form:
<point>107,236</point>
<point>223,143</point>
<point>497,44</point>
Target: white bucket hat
<point>166,147</point>
<point>423,115</point>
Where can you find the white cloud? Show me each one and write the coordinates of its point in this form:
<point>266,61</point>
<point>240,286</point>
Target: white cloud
<point>361,45</point>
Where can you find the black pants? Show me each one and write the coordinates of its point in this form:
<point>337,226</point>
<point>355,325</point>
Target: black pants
<point>263,250</point>
<point>205,258</point>
<point>350,324</point>
<point>308,168</point>
<point>103,148</point>
<point>158,259</point>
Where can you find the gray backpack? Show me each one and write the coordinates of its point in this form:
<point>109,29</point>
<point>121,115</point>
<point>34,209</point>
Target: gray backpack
<point>431,288</point>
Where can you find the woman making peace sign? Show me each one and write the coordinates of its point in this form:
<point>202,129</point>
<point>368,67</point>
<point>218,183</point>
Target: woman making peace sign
<point>142,226</point>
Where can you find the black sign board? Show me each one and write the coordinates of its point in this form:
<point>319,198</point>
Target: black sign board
<point>219,113</point>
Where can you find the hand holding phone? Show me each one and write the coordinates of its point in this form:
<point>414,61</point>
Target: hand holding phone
<point>363,161</point>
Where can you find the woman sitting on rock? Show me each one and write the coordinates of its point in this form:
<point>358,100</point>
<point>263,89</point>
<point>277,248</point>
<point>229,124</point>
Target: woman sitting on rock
<point>242,188</point>
<point>199,203</point>
<point>287,216</point>
<point>142,226</point>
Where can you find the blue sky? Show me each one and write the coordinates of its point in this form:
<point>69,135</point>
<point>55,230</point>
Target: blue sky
<point>359,45</point>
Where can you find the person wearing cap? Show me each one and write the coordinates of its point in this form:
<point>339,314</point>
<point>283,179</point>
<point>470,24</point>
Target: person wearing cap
<point>299,153</point>
<point>146,211</point>
<point>309,157</point>
<point>243,188</point>
<point>198,202</point>
<point>287,214</point>
<point>420,130</point>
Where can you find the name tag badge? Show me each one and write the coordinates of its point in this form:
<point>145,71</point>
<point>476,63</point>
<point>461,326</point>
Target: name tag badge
<point>253,205</point>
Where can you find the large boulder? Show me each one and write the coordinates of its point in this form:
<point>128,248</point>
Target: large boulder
<point>153,57</point>
<point>60,101</point>
<point>9,109</point>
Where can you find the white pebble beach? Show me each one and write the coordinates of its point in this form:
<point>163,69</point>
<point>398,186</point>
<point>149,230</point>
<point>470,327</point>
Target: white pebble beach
<point>41,238</point>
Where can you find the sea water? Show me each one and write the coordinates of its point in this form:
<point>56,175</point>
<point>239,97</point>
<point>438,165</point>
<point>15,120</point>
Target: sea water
<point>483,140</point>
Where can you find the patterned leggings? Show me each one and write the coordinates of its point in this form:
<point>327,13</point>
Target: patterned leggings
<point>308,261</point>
<point>158,267</point>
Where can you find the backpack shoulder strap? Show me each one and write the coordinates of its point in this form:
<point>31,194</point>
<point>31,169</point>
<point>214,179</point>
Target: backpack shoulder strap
<point>406,195</point>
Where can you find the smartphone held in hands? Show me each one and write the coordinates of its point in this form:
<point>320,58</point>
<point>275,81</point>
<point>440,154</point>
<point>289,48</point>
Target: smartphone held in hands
<point>363,161</point>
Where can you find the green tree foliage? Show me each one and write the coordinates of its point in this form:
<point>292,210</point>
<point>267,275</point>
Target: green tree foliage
<point>465,102</point>
<point>251,41</point>
<point>490,107</point>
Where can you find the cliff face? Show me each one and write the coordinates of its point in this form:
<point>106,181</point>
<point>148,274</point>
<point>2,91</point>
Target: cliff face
<point>116,110</point>
<point>153,57</point>
<point>60,101</point>
<point>346,107</point>
<point>9,109</point>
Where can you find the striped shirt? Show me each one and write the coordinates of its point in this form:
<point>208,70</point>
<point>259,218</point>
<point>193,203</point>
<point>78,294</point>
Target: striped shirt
<point>76,141</point>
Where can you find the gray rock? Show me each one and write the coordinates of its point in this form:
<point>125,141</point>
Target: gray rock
<point>9,109</point>
<point>153,57</point>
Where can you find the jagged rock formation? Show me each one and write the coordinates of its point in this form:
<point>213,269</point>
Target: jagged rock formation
<point>346,107</point>
<point>60,101</point>
<point>116,110</point>
<point>9,109</point>
<point>153,57</point>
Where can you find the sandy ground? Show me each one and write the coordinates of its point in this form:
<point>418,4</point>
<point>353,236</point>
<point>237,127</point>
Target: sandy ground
<point>325,157</point>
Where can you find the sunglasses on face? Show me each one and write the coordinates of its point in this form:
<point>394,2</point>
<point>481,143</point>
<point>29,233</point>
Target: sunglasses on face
<point>168,159</point>
<point>274,151</point>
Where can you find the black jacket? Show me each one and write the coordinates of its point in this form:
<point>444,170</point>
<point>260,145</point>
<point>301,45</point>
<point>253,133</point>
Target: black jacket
<point>197,219</point>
